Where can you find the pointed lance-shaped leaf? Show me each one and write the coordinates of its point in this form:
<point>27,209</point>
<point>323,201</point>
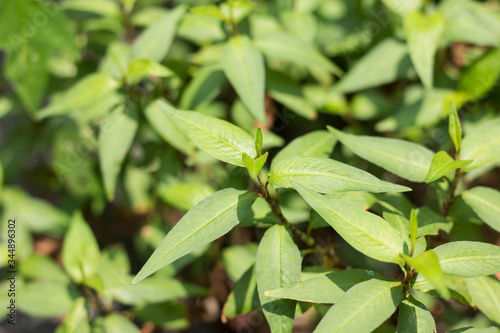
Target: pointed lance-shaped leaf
<point>468,259</point>
<point>363,308</point>
<point>423,33</point>
<point>210,219</point>
<point>278,265</point>
<point>327,176</point>
<point>442,164</point>
<point>403,158</point>
<point>485,203</point>
<point>116,135</point>
<point>366,232</point>
<point>216,137</point>
<point>243,65</point>
<point>455,128</point>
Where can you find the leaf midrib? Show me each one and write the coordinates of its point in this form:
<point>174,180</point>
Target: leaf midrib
<point>465,259</point>
<point>329,175</point>
<point>359,309</point>
<point>355,227</point>
<point>216,137</point>
<point>197,230</point>
<point>481,200</point>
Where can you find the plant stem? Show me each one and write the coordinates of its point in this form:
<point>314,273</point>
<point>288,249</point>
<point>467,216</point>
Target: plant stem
<point>308,240</point>
<point>450,199</point>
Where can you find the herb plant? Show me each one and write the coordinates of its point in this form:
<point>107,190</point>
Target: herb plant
<point>310,151</point>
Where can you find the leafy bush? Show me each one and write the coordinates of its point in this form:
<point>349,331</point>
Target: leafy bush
<point>322,162</point>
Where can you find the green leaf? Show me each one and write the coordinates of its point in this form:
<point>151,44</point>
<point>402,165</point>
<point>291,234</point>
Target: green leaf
<point>430,222</point>
<point>254,165</point>
<point>258,142</point>
<point>403,8</point>
<point>169,315</point>
<point>208,220</point>
<point>313,144</point>
<point>42,217</point>
<point>367,72</point>
<point>210,11</point>
<point>154,290</point>
<point>166,128</point>
<point>485,294</point>
<point>42,268</point>
<point>414,317</point>
<point>205,85</point>
<point>427,264</point>
<point>116,135</point>
<point>484,201</point>
<point>114,323</point>
<point>244,296</point>
<point>47,299</point>
<point>140,68</point>
<point>442,164</point>
<point>184,195</point>
<point>413,231</point>
<point>238,259</point>
<point>470,22</point>
<point>243,65</point>
<point>153,43</point>
<point>77,320</point>
<point>403,158</point>
<point>422,34</point>
<point>286,91</point>
<point>327,176</point>
<point>455,128</point>
<point>217,137</point>
<point>469,329</point>
<point>456,286</point>
<point>84,93</point>
<point>363,307</point>
<point>480,77</point>
<point>366,232</point>
<point>327,288</point>
<point>278,265</point>
<point>482,145</point>
<point>80,251</point>
<point>287,48</point>
<point>468,259</point>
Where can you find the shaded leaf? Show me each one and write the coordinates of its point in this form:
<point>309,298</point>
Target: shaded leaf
<point>244,296</point>
<point>414,317</point>
<point>427,264</point>
<point>480,77</point>
<point>205,85</point>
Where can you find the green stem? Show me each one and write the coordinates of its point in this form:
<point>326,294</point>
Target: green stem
<point>271,199</point>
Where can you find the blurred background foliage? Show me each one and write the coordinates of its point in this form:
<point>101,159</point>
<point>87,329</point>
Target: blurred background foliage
<point>95,175</point>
